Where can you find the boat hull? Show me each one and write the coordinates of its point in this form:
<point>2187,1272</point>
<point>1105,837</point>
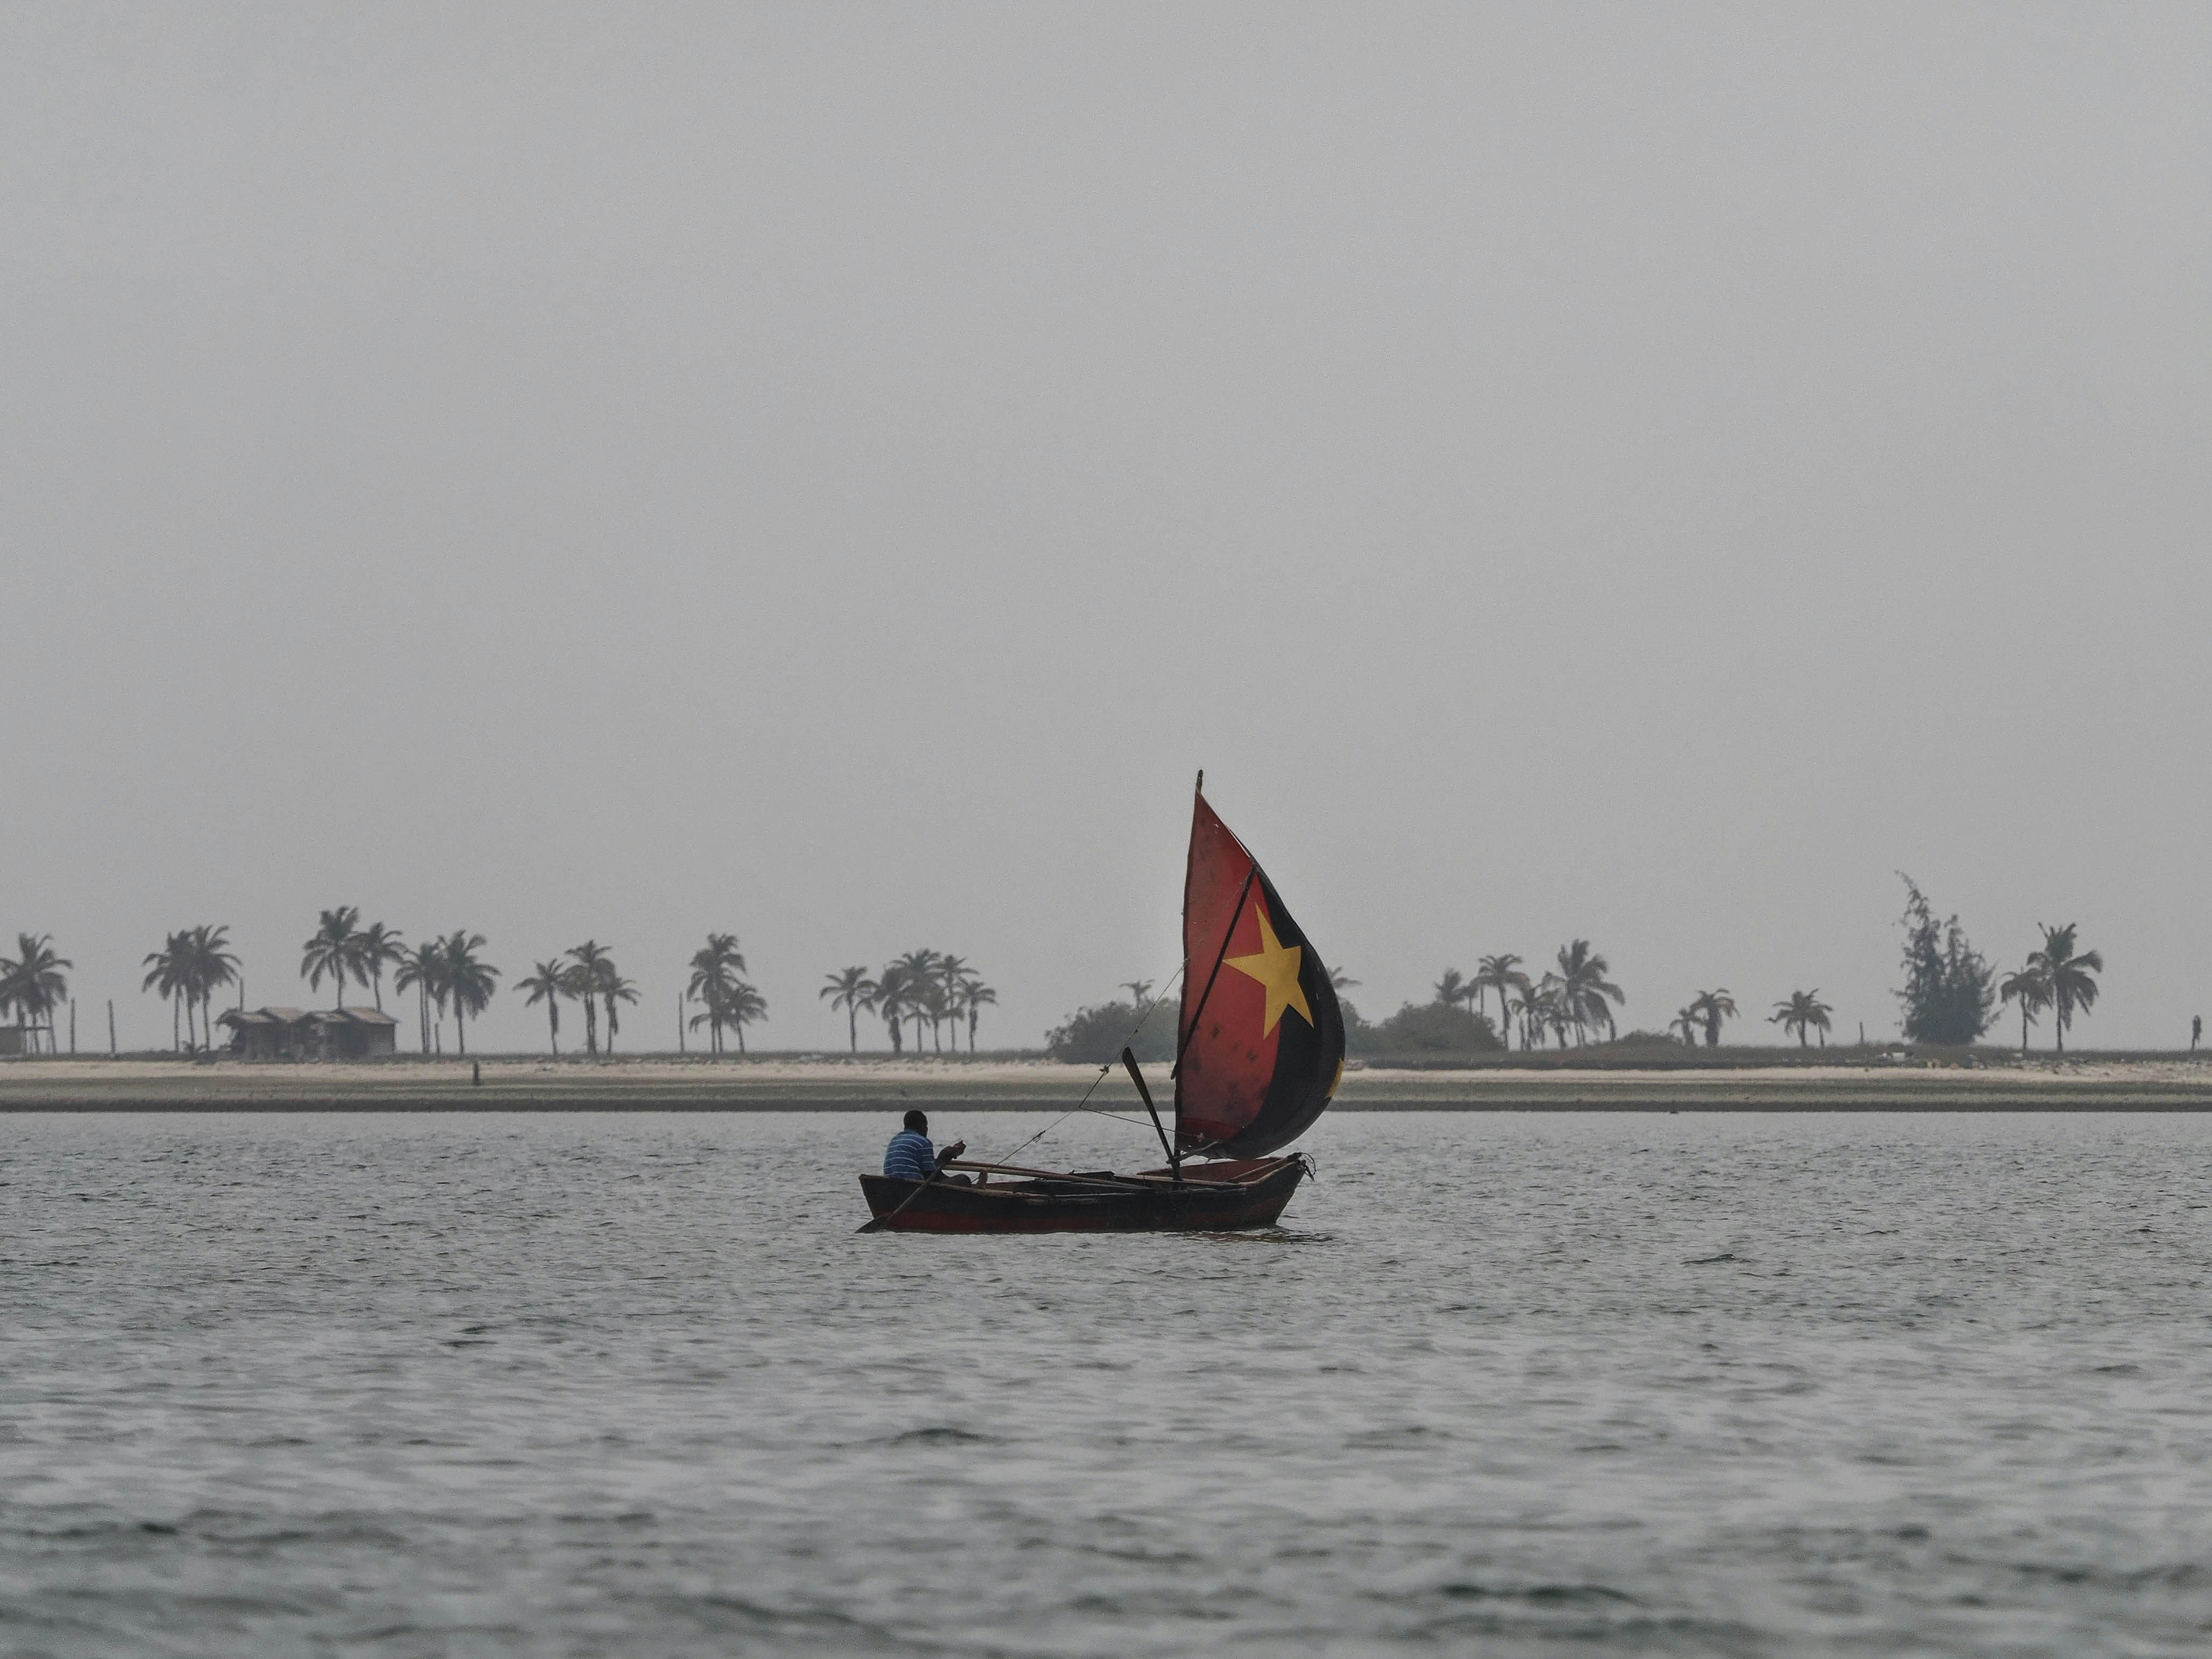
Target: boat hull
<point>1225,1197</point>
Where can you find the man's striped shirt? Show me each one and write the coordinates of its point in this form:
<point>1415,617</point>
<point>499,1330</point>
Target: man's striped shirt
<point>909,1155</point>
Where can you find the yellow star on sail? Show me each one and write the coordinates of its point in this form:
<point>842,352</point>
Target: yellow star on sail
<point>1276,968</point>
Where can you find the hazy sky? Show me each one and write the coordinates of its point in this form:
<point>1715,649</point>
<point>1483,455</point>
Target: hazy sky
<point>833,473</point>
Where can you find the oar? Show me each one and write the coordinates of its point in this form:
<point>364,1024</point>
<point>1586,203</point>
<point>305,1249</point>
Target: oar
<point>883,1221</point>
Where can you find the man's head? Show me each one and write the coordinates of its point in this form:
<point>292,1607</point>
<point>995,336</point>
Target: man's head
<point>918,1121</point>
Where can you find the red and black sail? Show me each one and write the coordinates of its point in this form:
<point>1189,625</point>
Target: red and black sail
<point>1262,1039</point>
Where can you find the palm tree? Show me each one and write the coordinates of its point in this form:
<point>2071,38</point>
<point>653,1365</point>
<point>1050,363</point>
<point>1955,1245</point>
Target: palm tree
<point>1453,988</point>
<point>1584,991</point>
<point>592,963</point>
<point>168,970</point>
<point>745,1005</point>
<point>2031,988</point>
<point>547,982</point>
<point>937,1004</point>
<point>974,997</point>
<point>1804,1011</point>
<point>469,981</point>
<point>1557,1011</point>
<point>950,974</point>
<point>851,990</point>
<point>1685,1025</point>
<point>1536,1007</point>
<point>614,989</point>
<point>1711,1007</point>
<point>333,950</point>
<point>33,981</point>
<point>210,966</point>
<point>423,971</point>
<point>920,970</point>
<point>376,948</point>
<point>2071,977</point>
<point>1139,990</point>
<point>894,992</point>
<point>1502,974</point>
<point>1340,981</point>
<point>715,973</point>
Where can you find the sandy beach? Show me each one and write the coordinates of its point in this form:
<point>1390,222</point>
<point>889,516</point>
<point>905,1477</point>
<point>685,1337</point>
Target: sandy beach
<point>782,1083</point>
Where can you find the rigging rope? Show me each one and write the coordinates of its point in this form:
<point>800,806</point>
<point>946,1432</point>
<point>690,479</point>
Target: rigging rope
<point>1084,1104</point>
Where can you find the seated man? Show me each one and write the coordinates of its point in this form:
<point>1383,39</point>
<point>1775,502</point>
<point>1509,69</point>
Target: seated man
<point>909,1155</point>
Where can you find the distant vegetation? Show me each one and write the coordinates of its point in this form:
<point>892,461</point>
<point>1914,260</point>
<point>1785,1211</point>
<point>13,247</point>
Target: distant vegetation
<point>1804,1011</point>
<point>1949,991</point>
<point>1947,998</point>
<point>192,965</point>
<point>1094,1035</point>
<point>32,984</point>
<point>1572,1003</point>
<point>928,987</point>
<point>1435,1027</point>
<point>1951,994</point>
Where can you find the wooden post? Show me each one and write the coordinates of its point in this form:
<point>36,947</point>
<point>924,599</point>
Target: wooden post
<point>111,1028</point>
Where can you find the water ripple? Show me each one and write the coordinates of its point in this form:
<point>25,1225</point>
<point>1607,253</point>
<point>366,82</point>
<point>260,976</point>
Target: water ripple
<point>594,1385</point>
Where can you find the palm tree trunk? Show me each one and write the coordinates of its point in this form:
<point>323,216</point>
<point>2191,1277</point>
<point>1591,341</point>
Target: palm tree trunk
<point>461,1026</point>
<point>176,1041</point>
<point>553,1018</point>
<point>853,1026</point>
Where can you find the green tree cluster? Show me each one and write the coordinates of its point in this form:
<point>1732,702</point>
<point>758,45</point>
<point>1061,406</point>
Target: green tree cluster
<point>444,973</point>
<point>192,965</point>
<point>2059,976</point>
<point>1435,1027</point>
<point>586,975</point>
<point>1094,1035</point>
<point>931,987</point>
<point>1950,991</point>
<point>1573,1001</point>
<point>727,1001</point>
<point>33,984</point>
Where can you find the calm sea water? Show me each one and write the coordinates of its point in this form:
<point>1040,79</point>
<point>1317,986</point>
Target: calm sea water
<point>631,1386</point>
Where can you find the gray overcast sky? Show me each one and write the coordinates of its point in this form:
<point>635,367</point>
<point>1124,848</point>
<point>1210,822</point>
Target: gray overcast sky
<point>834,472</point>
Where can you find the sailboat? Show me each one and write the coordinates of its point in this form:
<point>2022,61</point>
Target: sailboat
<point>1259,1054</point>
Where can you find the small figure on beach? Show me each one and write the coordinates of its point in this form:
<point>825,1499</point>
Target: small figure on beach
<point>910,1158</point>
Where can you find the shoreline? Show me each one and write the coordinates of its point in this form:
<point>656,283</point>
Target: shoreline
<point>783,1084</point>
